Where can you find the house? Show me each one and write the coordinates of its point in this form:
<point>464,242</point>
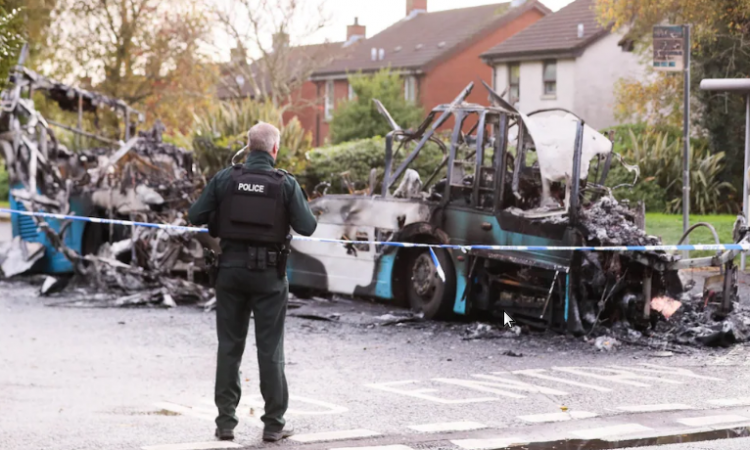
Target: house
<point>238,79</point>
<point>437,53</point>
<point>565,60</point>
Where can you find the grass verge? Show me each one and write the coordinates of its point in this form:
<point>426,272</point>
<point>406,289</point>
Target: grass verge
<point>669,228</point>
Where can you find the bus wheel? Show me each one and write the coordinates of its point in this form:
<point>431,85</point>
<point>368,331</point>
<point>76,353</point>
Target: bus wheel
<point>425,290</point>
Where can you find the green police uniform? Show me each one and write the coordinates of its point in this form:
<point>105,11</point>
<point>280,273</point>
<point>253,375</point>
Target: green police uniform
<point>240,292</point>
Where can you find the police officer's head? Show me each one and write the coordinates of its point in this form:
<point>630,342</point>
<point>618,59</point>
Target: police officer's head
<point>264,137</point>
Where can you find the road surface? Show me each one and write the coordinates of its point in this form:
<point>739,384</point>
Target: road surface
<point>82,377</point>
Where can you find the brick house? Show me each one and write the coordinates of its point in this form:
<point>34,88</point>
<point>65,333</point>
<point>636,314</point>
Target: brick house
<point>437,53</point>
<point>235,76</point>
<point>565,60</point>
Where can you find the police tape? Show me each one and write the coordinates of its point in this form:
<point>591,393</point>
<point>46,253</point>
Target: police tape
<point>464,248</point>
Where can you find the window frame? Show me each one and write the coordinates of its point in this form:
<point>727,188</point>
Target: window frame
<point>330,98</point>
<point>511,84</point>
<point>410,88</point>
<point>546,81</point>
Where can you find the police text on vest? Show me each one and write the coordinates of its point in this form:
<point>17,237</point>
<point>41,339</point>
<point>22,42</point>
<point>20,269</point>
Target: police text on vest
<point>249,187</point>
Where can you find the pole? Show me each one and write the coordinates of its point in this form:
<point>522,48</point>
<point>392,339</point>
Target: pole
<point>745,206</point>
<point>80,120</point>
<point>686,141</point>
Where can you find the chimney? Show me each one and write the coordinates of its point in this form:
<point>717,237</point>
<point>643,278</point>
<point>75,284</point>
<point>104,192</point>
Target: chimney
<point>516,3</point>
<point>580,31</point>
<point>356,30</point>
<point>415,6</point>
<point>280,40</point>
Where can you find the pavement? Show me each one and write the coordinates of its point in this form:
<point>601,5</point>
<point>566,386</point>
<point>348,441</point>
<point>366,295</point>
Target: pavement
<point>76,376</point>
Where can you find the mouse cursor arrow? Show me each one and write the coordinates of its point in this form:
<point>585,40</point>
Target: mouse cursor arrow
<point>507,320</point>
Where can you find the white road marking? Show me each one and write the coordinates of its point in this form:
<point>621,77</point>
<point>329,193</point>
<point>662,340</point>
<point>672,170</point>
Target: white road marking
<point>449,426</point>
<point>557,417</point>
<point>614,376</point>
<point>194,446</point>
<point>654,408</point>
<point>739,401</point>
<point>536,373</point>
<point>334,435</point>
<point>712,420</point>
<point>376,447</point>
<point>422,393</point>
<point>604,432</point>
<point>256,401</point>
<point>200,413</point>
<point>520,385</point>
<point>661,370</point>
<point>499,386</point>
<point>480,444</point>
<point>242,410</point>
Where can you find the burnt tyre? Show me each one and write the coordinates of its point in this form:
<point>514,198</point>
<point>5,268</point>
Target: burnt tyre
<point>425,290</point>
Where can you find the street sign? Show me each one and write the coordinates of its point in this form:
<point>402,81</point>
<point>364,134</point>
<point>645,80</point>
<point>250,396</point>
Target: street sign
<point>669,48</point>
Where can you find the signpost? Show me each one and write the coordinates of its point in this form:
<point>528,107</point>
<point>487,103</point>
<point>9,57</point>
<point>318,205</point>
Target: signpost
<point>672,54</point>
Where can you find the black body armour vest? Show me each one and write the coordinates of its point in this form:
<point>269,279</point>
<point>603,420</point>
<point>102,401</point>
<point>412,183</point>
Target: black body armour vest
<point>253,208</point>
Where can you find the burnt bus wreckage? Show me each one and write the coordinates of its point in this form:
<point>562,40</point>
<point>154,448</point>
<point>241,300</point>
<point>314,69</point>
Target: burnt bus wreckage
<point>135,177</point>
<point>490,195</point>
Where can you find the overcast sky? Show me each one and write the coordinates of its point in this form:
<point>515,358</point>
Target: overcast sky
<point>380,14</point>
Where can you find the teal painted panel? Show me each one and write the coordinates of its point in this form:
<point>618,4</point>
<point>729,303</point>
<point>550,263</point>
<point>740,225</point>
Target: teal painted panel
<point>459,307</point>
<point>384,276</point>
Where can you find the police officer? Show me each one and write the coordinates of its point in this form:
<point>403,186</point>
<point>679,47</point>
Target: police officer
<point>251,208</point>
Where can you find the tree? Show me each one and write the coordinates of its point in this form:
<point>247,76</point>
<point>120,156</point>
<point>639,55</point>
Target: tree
<point>146,52</point>
<point>11,41</point>
<point>359,118</point>
<point>36,16</point>
<point>218,133</point>
<point>720,49</point>
<point>268,30</point>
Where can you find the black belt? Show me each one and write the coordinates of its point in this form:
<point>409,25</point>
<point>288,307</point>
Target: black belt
<point>254,258</point>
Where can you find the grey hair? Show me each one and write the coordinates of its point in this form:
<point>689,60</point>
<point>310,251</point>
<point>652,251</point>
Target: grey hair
<point>263,136</point>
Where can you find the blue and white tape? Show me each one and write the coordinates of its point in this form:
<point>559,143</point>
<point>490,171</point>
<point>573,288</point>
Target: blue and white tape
<point>438,268</point>
<point>464,248</point>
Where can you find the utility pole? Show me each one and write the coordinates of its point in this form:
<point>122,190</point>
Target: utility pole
<point>686,141</point>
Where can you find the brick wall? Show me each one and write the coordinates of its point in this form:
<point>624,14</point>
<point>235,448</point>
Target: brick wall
<point>445,80</point>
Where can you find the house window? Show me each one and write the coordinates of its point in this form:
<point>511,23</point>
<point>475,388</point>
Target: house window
<point>514,83</point>
<point>410,89</point>
<point>550,77</point>
<point>352,95</point>
<point>329,99</point>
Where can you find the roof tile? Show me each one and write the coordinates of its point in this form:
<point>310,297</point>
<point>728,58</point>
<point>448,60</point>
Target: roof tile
<point>557,32</point>
<point>413,43</point>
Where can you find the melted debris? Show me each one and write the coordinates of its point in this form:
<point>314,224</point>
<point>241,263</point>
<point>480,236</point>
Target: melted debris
<point>143,179</point>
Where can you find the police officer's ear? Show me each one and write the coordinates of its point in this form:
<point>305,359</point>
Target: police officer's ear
<point>275,151</point>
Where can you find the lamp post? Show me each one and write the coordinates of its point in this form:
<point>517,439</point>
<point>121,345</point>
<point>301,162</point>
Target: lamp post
<point>740,86</point>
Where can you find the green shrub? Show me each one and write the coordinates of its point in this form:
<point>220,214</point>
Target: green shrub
<point>218,134</point>
<point>658,153</point>
<point>4,183</point>
<point>358,157</point>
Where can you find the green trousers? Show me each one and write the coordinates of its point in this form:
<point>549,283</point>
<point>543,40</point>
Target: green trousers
<point>239,292</point>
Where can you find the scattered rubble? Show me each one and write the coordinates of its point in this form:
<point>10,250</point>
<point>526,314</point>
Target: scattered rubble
<point>18,256</point>
<point>606,343</point>
<point>610,223</point>
<point>141,178</point>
